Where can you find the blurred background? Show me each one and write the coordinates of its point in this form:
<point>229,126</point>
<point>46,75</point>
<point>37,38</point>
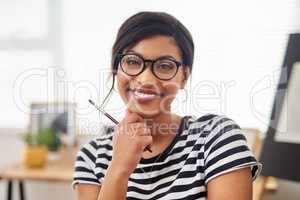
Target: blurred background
<point>59,51</point>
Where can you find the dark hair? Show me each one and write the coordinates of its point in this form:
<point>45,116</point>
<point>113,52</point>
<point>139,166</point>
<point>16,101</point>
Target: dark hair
<point>147,24</point>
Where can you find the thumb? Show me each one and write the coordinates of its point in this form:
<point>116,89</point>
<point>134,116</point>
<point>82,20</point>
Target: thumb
<point>133,116</point>
<point>127,112</point>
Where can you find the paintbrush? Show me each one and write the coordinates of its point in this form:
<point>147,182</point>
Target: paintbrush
<point>110,117</point>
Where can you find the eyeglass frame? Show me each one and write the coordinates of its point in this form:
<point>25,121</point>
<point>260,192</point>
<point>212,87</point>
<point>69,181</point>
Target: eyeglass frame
<point>122,55</point>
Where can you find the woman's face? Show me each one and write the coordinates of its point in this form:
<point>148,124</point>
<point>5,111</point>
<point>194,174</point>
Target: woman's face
<point>145,94</point>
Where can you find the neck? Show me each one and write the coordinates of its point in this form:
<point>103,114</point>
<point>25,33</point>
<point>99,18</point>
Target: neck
<point>163,125</point>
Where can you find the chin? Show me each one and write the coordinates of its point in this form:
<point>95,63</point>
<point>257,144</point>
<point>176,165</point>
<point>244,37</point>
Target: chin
<point>145,113</point>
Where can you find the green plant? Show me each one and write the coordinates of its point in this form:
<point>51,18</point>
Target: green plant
<point>44,137</point>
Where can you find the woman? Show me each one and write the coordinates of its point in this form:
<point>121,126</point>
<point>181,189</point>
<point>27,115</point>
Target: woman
<point>188,157</point>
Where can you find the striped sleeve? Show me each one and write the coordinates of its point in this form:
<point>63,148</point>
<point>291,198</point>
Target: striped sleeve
<point>226,149</point>
<point>85,165</point>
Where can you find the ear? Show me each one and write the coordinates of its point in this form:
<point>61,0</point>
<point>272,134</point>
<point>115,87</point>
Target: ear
<point>186,73</point>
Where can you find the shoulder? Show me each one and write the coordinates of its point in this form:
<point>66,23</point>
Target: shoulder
<point>209,120</point>
<point>224,146</point>
<point>223,130</point>
<point>99,144</point>
<point>195,124</point>
<point>92,159</point>
<point>210,125</point>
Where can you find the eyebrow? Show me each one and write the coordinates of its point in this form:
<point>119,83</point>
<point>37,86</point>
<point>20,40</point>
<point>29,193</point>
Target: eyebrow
<point>160,57</point>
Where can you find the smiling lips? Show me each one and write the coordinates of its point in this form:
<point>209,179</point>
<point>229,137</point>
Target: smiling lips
<point>144,95</point>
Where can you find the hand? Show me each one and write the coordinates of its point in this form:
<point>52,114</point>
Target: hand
<point>129,141</point>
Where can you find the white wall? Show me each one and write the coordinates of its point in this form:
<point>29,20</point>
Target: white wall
<point>239,50</point>
<point>10,151</point>
<point>239,45</point>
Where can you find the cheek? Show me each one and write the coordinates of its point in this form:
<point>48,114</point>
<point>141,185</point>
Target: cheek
<point>171,90</point>
<point>123,83</point>
<point>172,87</point>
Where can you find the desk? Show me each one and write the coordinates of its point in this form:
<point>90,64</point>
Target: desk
<point>262,184</point>
<point>60,170</point>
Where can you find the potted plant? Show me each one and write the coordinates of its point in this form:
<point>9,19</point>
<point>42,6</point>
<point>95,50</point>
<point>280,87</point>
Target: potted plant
<point>35,152</point>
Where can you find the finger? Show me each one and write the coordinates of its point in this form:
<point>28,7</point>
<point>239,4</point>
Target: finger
<point>144,131</point>
<point>127,112</point>
<point>133,117</point>
<point>147,141</point>
<point>143,141</point>
<point>138,128</point>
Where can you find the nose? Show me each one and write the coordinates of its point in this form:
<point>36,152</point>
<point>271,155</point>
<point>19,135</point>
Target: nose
<point>146,76</point>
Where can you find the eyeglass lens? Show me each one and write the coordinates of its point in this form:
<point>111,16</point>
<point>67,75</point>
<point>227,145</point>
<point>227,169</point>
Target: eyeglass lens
<point>162,68</point>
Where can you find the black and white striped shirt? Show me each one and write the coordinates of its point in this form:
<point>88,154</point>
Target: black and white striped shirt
<point>203,148</point>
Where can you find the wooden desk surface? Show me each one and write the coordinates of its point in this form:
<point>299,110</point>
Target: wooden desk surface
<point>60,170</point>
<point>63,169</point>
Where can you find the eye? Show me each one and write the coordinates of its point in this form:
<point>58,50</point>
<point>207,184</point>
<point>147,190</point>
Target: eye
<point>131,64</point>
<point>131,61</point>
<point>166,66</point>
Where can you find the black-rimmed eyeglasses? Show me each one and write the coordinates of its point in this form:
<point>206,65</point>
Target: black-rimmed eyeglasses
<point>164,68</point>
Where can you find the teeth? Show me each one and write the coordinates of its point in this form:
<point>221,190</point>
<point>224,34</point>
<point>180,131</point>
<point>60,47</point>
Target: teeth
<point>141,94</point>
